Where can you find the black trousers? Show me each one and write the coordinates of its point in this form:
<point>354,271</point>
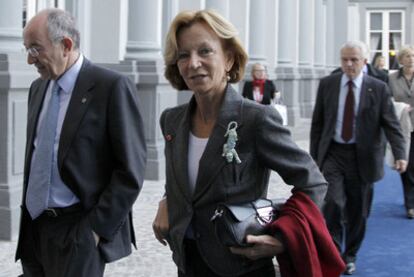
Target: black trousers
<point>196,267</point>
<point>407,178</point>
<point>347,202</point>
<point>61,246</point>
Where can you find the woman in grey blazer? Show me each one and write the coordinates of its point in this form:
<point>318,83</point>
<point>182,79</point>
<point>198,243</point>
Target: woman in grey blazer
<point>203,54</point>
<point>402,88</point>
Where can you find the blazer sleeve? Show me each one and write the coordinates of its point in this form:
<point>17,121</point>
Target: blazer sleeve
<point>126,133</point>
<point>272,89</point>
<point>391,125</point>
<point>277,151</point>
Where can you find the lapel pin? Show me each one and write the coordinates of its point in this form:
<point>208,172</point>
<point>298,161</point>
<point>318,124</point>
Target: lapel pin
<point>83,100</point>
<point>168,137</point>
<point>228,148</point>
<point>369,89</point>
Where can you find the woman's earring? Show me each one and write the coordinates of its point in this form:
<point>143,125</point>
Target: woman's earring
<point>228,77</point>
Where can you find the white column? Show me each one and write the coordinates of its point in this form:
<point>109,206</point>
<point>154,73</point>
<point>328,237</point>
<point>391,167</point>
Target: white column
<point>82,11</point>
<point>272,38</point>
<point>306,31</point>
<point>15,79</point>
<point>287,71</point>
<point>257,31</point>
<point>107,29</point>
<point>144,29</point>
<point>320,34</point>
<point>44,4</point>
<point>239,17</point>
<point>336,30</point>
<point>288,31</point>
<point>191,4</point>
<point>169,11</point>
<point>11,20</point>
<point>221,6</point>
<point>145,65</point>
<point>306,47</point>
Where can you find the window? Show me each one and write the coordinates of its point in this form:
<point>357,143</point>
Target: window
<point>385,35</point>
<point>31,7</point>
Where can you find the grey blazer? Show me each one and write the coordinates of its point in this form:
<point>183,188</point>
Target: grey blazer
<point>375,115</point>
<point>263,144</point>
<point>401,91</point>
<point>101,155</point>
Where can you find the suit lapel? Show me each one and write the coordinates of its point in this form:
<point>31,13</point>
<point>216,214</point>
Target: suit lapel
<point>36,103</point>
<point>81,97</point>
<point>179,151</point>
<point>365,90</point>
<point>212,160</point>
<point>333,103</point>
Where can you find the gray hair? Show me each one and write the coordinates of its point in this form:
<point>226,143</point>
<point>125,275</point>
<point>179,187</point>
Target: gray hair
<point>357,44</point>
<point>61,24</point>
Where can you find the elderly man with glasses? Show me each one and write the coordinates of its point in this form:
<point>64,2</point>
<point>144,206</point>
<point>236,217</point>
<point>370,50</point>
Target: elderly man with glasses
<point>85,157</point>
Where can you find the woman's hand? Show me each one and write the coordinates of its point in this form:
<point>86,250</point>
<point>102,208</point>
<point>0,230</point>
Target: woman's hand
<point>160,226</point>
<point>263,246</point>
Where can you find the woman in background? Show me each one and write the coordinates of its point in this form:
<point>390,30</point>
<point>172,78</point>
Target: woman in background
<point>402,88</point>
<point>259,89</point>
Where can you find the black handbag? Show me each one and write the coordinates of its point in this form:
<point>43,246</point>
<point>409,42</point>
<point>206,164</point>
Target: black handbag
<point>233,222</point>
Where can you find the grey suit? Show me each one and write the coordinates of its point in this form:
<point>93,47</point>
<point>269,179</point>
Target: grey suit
<point>352,168</point>
<point>403,92</point>
<point>263,144</point>
<point>101,158</point>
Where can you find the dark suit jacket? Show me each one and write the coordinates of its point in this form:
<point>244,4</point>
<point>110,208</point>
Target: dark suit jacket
<point>269,89</point>
<point>375,115</point>
<point>101,156</point>
<point>372,71</point>
<point>263,144</point>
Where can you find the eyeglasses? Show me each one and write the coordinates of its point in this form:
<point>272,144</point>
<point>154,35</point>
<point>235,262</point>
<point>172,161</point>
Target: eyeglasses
<point>33,52</point>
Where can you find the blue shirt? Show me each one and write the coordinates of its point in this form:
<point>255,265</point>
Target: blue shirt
<point>60,194</point>
<point>343,91</point>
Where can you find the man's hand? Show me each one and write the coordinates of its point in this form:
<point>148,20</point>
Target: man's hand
<point>160,226</point>
<point>400,165</point>
<point>263,246</point>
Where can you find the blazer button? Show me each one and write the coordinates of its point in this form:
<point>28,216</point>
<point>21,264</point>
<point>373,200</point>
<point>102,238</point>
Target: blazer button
<point>197,235</point>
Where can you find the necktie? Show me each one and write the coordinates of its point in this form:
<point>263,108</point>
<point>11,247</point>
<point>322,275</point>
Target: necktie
<point>348,119</point>
<point>42,163</point>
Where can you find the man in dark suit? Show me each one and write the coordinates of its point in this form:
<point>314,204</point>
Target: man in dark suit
<point>85,157</point>
<point>351,113</point>
<point>259,89</point>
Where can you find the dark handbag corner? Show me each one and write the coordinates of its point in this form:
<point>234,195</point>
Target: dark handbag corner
<point>233,222</point>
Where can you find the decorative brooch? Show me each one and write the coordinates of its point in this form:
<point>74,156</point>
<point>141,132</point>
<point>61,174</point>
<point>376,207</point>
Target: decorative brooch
<point>228,148</point>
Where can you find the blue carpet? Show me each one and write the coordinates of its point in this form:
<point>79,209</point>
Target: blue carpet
<point>388,248</point>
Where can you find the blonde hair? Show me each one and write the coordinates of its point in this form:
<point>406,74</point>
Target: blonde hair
<point>377,61</point>
<point>221,27</point>
<point>405,50</point>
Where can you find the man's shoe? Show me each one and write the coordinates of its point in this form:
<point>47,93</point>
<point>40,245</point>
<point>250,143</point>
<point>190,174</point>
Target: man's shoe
<point>410,213</point>
<point>350,269</point>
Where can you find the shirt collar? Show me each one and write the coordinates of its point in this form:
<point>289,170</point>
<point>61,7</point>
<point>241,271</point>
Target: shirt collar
<point>68,79</point>
<point>357,80</point>
<point>365,69</point>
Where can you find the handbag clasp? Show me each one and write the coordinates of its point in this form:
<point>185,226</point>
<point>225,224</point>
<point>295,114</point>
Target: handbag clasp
<point>217,213</point>
<point>265,215</point>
